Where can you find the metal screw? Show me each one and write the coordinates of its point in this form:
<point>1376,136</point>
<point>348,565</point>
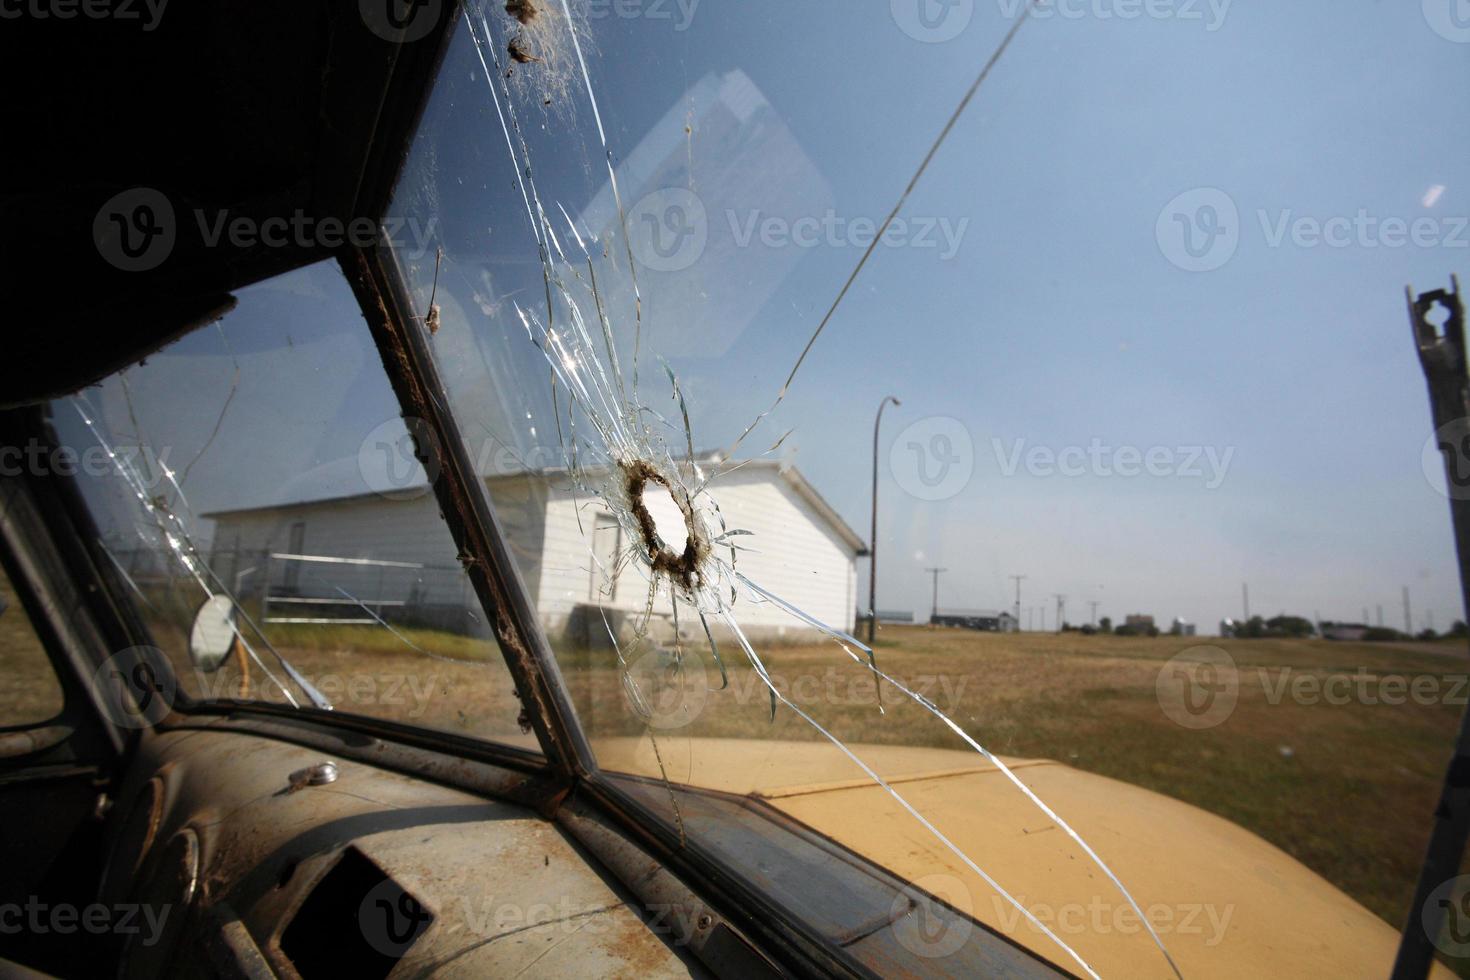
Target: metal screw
<point>318,775</point>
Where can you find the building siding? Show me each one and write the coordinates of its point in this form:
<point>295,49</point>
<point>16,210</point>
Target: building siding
<point>379,529</point>
<point>796,553</point>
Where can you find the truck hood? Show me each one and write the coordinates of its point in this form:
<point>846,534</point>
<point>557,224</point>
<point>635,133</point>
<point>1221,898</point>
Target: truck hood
<point>1225,902</point>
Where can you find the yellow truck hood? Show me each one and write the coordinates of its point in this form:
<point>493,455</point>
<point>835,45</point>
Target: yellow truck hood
<point>1225,902</point>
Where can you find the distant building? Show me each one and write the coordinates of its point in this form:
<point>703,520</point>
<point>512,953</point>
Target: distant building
<point>1344,631</point>
<point>983,620</point>
<point>1182,628</point>
<point>1138,621</point>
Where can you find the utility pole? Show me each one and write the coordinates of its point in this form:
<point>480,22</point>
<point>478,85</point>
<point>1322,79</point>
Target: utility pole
<point>1366,620</point>
<point>1094,604</point>
<point>936,572</point>
<point>1245,599</point>
<point>1408,620</point>
<point>1030,618</point>
<point>1061,610</point>
<point>1018,579</point>
<point>873,542</point>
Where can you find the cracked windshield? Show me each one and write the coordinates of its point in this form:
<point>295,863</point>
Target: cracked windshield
<point>986,432</point>
<point>234,479</point>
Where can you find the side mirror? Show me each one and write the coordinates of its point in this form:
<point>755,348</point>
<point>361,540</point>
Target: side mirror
<point>213,635</point>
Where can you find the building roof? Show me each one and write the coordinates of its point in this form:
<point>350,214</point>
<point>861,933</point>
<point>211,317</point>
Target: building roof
<point>809,493</point>
<point>789,473</point>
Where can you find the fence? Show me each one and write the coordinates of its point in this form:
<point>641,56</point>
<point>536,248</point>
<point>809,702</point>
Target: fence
<point>285,588</point>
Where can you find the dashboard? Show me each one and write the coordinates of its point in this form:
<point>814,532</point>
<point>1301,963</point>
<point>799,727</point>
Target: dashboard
<point>247,856</point>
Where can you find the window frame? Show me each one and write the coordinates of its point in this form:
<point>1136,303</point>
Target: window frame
<point>44,548</point>
<point>566,785</point>
<point>464,502</point>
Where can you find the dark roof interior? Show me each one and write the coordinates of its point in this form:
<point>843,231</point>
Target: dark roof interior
<point>257,108</point>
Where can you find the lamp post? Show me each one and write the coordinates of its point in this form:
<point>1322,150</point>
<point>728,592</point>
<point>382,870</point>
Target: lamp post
<point>936,572</point>
<point>873,541</point>
<point>1018,579</point>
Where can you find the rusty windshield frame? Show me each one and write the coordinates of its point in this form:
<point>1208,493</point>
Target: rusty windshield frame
<point>383,296</point>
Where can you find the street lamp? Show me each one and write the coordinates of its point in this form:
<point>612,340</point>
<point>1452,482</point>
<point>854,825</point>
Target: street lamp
<point>873,541</point>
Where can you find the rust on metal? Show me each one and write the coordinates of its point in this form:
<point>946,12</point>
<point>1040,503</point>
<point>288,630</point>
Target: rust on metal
<point>493,583</point>
<point>522,10</point>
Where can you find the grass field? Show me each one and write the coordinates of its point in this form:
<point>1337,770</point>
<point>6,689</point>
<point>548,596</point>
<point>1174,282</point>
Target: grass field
<point>29,692</point>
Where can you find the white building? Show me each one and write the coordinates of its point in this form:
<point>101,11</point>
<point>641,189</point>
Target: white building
<point>325,560</point>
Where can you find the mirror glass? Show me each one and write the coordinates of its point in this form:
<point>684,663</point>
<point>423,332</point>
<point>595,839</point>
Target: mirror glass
<point>213,633</point>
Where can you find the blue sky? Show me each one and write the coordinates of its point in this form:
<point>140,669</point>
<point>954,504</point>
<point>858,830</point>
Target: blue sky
<point>1052,316</point>
<point>1060,320</point>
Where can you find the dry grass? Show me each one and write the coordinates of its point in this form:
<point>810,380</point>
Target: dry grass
<point>29,690</point>
<point>451,683</point>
